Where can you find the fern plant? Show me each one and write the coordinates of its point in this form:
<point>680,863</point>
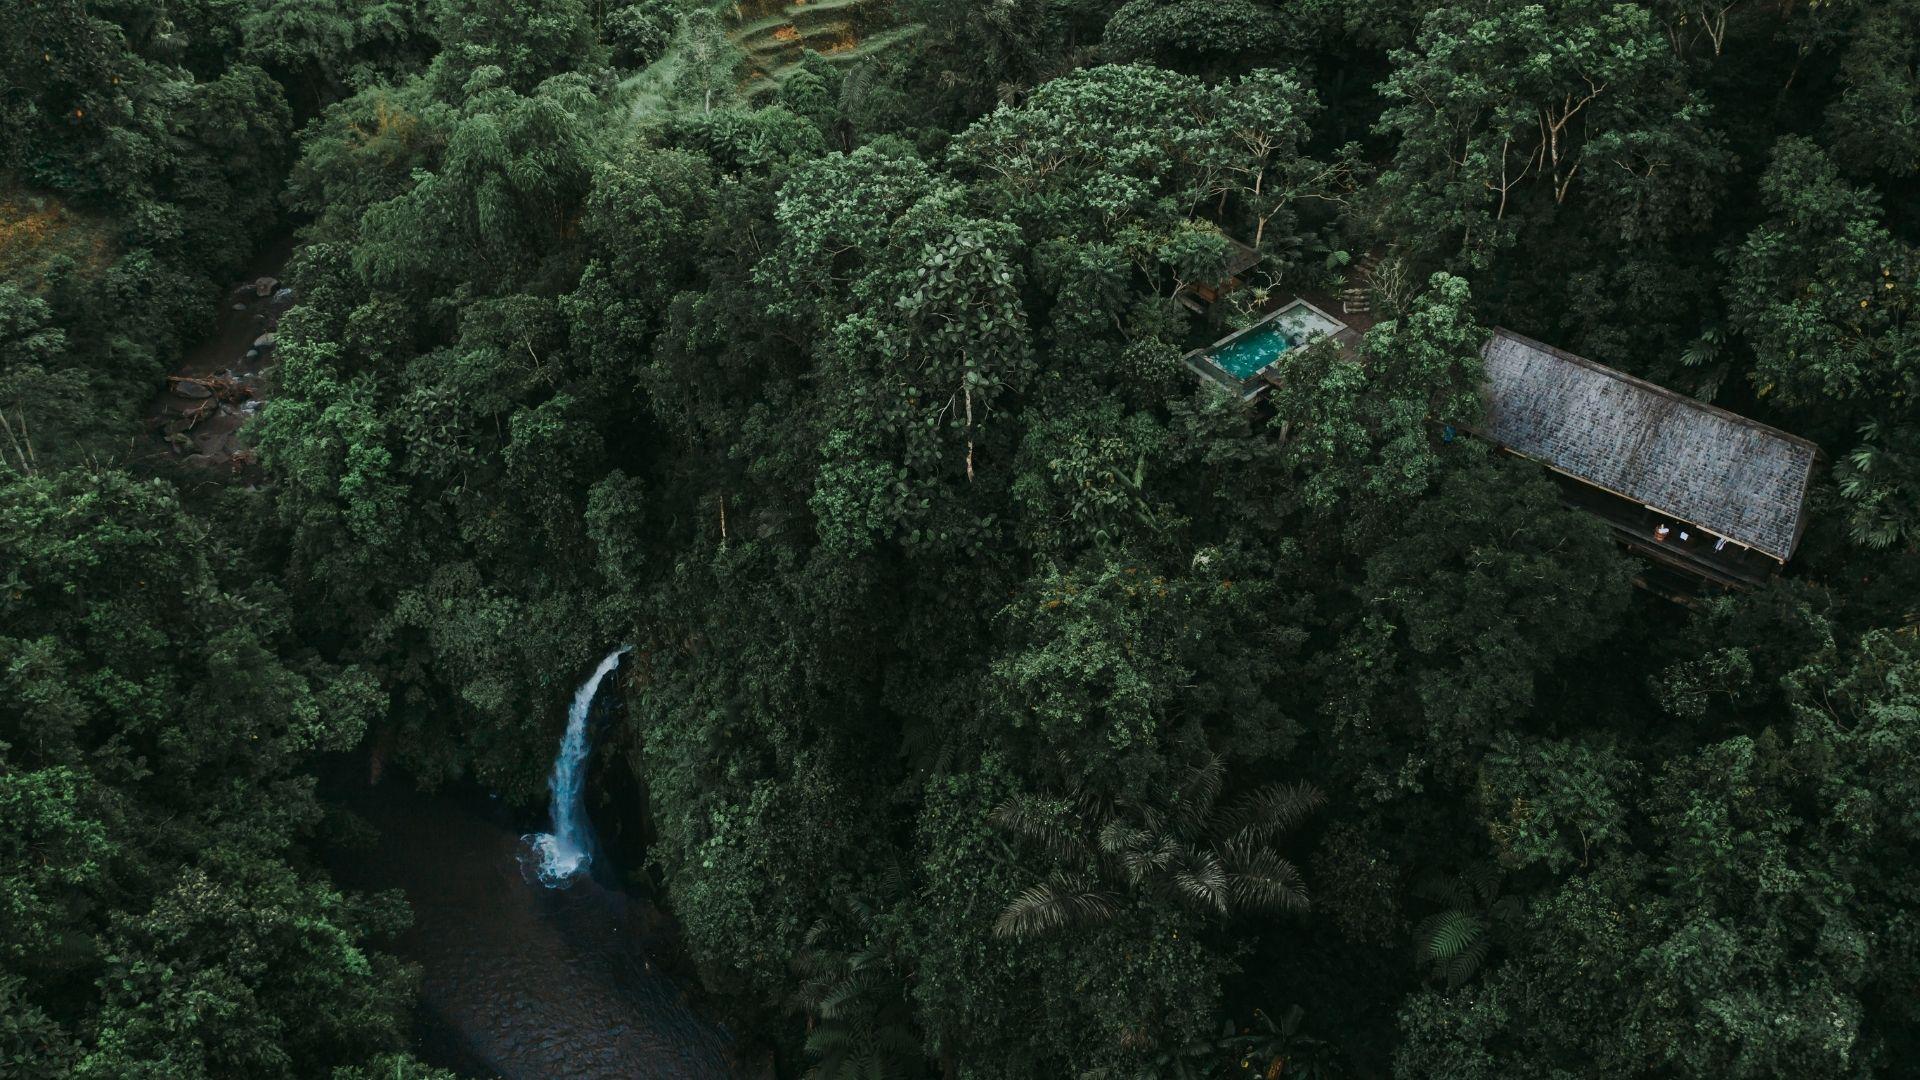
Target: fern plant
<point>1454,942</point>
<point>1214,859</point>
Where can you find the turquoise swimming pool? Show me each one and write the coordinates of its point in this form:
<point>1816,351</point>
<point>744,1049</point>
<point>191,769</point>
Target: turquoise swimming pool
<point>1245,356</point>
<point>1237,360</point>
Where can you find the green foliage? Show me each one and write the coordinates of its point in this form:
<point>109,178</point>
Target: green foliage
<point>1099,671</point>
<point>1369,424</point>
<point>150,747</point>
<point>1454,942</point>
<point>40,399</point>
<point>509,180</point>
<point>1821,288</point>
<point>523,41</point>
<point>1880,481</point>
<point>1490,584</point>
<point>1192,32</point>
<point>1266,1044</point>
<point>1166,143</point>
<point>1503,113</point>
<point>640,32</point>
<point>856,403</point>
<point>1733,651</point>
<point>1875,119</point>
<point>1214,860</point>
<point>393,1067</point>
<point>1732,927</point>
<point>1554,802</point>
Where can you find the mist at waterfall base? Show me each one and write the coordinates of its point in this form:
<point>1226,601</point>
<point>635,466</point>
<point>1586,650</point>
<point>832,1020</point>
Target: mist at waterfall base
<point>556,857</point>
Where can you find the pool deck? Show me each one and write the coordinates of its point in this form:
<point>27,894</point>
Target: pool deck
<point>1256,383</point>
<point>1358,322</point>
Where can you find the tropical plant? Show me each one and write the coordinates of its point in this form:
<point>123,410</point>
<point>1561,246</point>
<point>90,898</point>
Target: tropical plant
<point>853,996</point>
<point>1707,354</point>
<point>1220,861</point>
<point>1455,941</point>
<point>1880,481</point>
<point>1272,1048</point>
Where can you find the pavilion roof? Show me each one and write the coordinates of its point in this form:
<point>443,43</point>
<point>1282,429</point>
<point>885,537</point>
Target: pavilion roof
<point>1729,475</point>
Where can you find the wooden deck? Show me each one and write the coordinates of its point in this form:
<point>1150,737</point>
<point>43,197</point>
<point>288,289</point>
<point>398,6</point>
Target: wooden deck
<point>1730,566</point>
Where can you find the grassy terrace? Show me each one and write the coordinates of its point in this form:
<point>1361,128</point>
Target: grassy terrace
<point>776,37</point>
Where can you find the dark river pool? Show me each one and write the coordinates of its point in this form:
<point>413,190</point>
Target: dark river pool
<point>523,981</point>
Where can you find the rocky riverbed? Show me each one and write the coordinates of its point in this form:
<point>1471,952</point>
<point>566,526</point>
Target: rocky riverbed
<point>197,415</point>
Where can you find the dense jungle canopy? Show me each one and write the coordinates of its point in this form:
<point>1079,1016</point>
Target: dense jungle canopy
<point>1008,702</point>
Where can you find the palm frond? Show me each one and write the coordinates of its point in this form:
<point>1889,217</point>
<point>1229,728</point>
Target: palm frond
<point>1045,822</point>
<point>830,1040</point>
<point>1263,881</point>
<point>1202,882</point>
<point>1152,818</point>
<point>1199,791</point>
<point>1272,809</point>
<point>844,999</point>
<point>1117,838</point>
<point>1148,856</point>
<point>1089,805</point>
<point>1053,905</point>
<point>845,1052</point>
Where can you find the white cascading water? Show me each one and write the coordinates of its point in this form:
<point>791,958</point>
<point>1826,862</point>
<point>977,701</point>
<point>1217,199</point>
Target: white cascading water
<point>568,849</point>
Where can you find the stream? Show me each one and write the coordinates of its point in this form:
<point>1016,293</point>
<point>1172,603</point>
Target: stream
<point>196,415</point>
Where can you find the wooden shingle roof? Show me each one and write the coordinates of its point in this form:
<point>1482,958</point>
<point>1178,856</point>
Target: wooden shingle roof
<point>1241,258</point>
<point>1727,474</point>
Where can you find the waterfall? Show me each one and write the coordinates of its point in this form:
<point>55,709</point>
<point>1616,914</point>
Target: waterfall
<point>568,849</point>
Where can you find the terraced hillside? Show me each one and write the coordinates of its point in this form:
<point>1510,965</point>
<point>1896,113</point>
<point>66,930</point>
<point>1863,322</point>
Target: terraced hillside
<point>776,35</point>
<point>36,229</point>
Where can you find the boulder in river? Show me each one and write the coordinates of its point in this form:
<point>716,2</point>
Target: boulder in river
<point>263,286</point>
<point>192,390</point>
<point>282,297</point>
<point>266,341</point>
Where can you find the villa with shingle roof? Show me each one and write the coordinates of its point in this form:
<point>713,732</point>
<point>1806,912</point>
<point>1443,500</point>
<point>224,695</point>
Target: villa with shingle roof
<point>1690,487</point>
<point>1730,492</point>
